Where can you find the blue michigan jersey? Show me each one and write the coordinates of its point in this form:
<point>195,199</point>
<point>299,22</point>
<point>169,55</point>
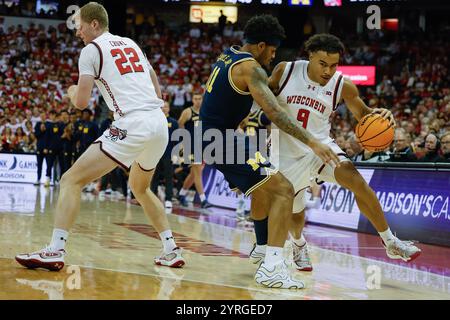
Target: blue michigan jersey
<point>224,107</point>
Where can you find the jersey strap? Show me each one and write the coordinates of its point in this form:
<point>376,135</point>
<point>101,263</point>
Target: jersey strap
<point>336,89</point>
<point>101,59</point>
<point>291,69</point>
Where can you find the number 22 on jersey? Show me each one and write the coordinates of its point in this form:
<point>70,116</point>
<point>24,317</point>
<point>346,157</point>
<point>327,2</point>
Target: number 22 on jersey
<point>127,61</point>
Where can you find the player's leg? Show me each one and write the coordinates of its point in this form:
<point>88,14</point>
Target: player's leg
<point>296,226</point>
<point>90,166</point>
<point>50,160</point>
<point>168,179</point>
<point>272,195</point>
<point>258,212</point>
<point>139,184</point>
<point>40,161</point>
<point>300,252</point>
<point>274,271</point>
<point>141,174</point>
<point>155,179</point>
<point>279,194</point>
<point>197,170</point>
<point>187,184</point>
<point>348,177</point>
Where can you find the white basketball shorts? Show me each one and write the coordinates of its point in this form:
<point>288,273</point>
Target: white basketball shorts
<point>300,171</point>
<point>140,136</point>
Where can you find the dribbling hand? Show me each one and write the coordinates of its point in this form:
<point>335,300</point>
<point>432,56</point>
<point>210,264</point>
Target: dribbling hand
<point>386,114</point>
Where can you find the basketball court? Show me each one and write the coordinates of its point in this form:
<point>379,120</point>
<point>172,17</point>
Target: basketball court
<point>111,250</point>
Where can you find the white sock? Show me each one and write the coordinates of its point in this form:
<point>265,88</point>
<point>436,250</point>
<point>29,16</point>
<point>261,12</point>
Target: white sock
<point>316,201</point>
<point>183,192</point>
<point>274,256</point>
<point>299,242</point>
<point>168,241</point>
<point>59,239</point>
<point>261,248</point>
<point>387,236</point>
<point>202,197</point>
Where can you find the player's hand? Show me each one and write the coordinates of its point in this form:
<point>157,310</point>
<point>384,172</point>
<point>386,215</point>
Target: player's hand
<point>386,114</point>
<point>325,153</point>
<point>72,91</point>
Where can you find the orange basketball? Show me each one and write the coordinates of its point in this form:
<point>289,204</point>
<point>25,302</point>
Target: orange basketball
<point>374,133</point>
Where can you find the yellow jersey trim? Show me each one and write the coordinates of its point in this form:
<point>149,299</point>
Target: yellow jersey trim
<point>239,52</point>
<point>269,173</point>
<point>230,80</point>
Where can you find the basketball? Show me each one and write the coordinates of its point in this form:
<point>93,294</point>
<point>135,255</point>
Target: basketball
<point>374,133</point>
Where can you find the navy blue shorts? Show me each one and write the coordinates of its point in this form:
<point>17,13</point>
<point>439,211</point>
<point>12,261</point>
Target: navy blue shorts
<point>249,168</point>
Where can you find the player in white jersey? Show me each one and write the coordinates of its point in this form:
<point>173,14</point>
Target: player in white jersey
<point>136,139</point>
<point>310,91</point>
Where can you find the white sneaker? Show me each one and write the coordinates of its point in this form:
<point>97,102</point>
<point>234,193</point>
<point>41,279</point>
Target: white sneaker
<point>47,182</point>
<point>172,259</point>
<point>301,258</point>
<point>46,258</point>
<point>255,256</point>
<point>168,204</point>
<point>278,276</point>
<point>405,250</point>
<point>119,195</point>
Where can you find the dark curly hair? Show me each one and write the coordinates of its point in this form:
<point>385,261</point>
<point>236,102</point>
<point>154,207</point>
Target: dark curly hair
<point>324,42</point>
<point>264,28</point>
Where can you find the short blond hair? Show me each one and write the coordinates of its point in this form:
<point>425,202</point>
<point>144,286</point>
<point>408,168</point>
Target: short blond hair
<point>95,11</point>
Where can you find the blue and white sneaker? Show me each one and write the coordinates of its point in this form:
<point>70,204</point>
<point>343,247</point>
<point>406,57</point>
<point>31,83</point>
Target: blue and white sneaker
<point>277,276</point>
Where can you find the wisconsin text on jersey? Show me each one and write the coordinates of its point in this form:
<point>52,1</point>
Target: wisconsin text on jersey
<point>306,102</point>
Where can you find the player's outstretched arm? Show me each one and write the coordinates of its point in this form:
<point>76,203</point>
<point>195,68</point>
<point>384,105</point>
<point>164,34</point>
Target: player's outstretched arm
<point>257,82</point>
<point>80,94</point>
<point>356,105</point>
